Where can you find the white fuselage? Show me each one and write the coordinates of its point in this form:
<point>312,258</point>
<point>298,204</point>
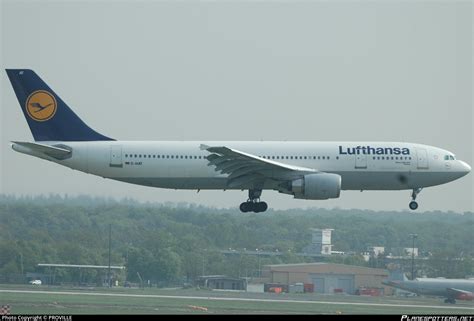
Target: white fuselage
<point>183,165</point>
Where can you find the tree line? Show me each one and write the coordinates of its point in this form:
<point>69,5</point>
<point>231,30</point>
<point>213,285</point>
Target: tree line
<point>175,243</point>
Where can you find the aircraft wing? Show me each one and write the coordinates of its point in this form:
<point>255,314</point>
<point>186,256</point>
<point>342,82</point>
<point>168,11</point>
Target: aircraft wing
<point>244,168</point>
<point>460,294</point>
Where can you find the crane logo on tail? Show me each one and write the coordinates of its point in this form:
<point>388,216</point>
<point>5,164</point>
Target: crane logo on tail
<point>41,105</point>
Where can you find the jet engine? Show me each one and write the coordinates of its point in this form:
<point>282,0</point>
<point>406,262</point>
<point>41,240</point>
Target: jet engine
<point>321,186</point>
<point>468,296</point>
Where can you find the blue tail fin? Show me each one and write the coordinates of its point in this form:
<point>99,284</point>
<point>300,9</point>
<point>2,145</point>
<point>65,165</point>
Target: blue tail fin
<point>49,118</point>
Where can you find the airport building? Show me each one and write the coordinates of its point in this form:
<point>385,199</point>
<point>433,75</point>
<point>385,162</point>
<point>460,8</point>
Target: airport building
<point>320,242</point>
<point>328,277</point>
<point>221,282</point>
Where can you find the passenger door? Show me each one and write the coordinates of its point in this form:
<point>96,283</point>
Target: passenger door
<point>116,156</point>
<point>360,161</point>
<point>422,158</point>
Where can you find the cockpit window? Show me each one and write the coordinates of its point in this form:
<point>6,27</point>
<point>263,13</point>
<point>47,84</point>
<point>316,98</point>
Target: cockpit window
<point>446,157</point>
<point>449,157</point>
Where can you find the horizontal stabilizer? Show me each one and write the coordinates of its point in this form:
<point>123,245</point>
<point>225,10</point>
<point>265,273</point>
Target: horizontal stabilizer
<point>52,151</point>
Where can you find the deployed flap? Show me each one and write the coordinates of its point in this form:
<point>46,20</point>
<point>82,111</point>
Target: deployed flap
<point>244,168</point>
<point>53,151</point>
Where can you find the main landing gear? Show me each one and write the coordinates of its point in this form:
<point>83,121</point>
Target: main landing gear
<point>413,204</point>
<point>253,204</point>
<point>450,300</point>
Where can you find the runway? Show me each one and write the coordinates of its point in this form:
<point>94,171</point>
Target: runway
<point>210,298</point>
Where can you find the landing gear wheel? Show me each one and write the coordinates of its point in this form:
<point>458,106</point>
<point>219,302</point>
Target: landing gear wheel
<point>414,205</point>
<point>246,207</point>
<point>450,300</point>
<point>260,207</point>
<point>253,203</point>
<point>263,207</point>
<point>255,207</point>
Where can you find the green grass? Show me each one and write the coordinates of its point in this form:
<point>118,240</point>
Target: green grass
<point>40,303</point>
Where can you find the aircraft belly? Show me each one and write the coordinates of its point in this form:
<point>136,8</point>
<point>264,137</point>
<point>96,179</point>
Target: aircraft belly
<point>374,180</point>
<point>178,182</point>
<point>352,180</point>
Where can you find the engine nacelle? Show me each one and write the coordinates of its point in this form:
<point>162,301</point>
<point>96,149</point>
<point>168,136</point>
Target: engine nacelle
<point>468,296</point>
<point>320,186</point>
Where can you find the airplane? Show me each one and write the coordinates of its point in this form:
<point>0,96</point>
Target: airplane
<point>451,289</point>
<point>305,170</point>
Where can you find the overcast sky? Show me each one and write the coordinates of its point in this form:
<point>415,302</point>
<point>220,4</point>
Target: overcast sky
<point>190,70</point>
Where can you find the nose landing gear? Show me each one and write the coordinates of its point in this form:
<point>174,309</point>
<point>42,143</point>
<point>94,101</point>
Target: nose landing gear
<point>253,203</point>
<point>413,204</point>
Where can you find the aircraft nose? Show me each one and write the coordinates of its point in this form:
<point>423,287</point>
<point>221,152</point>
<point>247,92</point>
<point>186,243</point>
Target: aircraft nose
<point>465,167</point>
